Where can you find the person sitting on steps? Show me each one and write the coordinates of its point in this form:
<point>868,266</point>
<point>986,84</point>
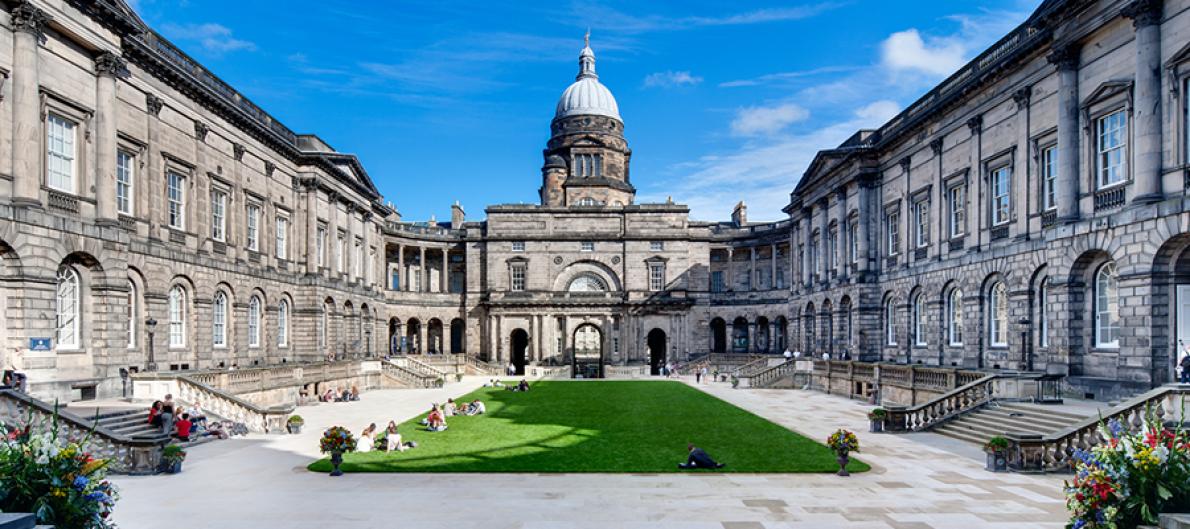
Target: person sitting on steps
<point>698,458</point>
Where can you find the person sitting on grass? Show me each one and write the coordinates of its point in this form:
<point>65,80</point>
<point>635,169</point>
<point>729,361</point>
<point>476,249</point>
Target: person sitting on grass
<point>698,458</point>
<point>182,428</point>
<point>450,410</point>
<point>476,408</point>
<point>354,393</point>
<point>367,439</point>
<point>523,386</point>
<point>435,422</point>
<point>392,438</point>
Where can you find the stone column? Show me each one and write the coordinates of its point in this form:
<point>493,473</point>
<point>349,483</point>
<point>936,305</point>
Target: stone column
<point>1146,112</point>
<point>730,269</point>
<point>365,224</point>
<point>807,269</point>
<point>402,275</point>
<point>824,230</point>
<point>979,206</point>
<point>752,268</point>
<point>445,272</point>
<point>312,229</point>
<point>840,251</point>
<point>862,227</point>
<point>27,153</point>
<point>332,201</point>
<point>108,66</point>
<point>773,266</point>
<point>423,270</point>
<point>1066,58</point>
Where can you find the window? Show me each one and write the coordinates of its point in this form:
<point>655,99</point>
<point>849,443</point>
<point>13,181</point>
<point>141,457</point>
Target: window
<point>253,227</point>
<point>998,315</point>
<point>254,322</point>
<point>919,321</point>
<point>60,153</point>
<point>853,241</point>
<point>832,246</point>
<point>1107,315</point>
<point>131,314</point>
<point>124,174</point>
<point>1111,142</point>
<point>587,201</point>
<point>359,257</point>
<point>518,278</point>
<point>587,165</point>
<point>954,311</point>
<point>177,317</point>
<point>717,281</point>
<point>1001,199</point>
<point>812,255</point>
<point>958,209</point>
<point>395,280</point>
<point>219,320</point>
<point>588,246</point>
<point>341,253</point>
<point>283,323</point>
<point>587,282</point>
<point>921,221</point>
<point>893,231</point>
<point>780,281</point>
<point>518,246</point>
<point>320,245</point>
<point>890,328</point>
<point>657,246</point>
<point>175,185</point>
<point>218,215</point>
<point>67,309</point>
<point>1043,324</point>
<point>282,237</point>
<point>656,277</point>
<point>1049,177</point>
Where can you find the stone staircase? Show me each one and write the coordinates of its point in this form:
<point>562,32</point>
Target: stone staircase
<point>998,418</point>
<point>130,422</point>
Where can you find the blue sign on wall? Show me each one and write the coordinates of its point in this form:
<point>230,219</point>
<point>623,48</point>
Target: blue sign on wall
<point>40,344</point>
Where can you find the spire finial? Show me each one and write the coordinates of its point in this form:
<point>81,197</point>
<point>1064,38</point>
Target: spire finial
<point>587,38</point>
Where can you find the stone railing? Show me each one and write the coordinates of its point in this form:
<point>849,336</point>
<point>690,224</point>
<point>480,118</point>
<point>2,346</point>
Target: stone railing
<point>771,376</point>
<point>548,371</point>
<point>408,375</point>
<point>417,366</point>
<point>953,403</point>
<point>128,454</point>
<point>896,383</point>
<point>229,407</point>
<point>257,379</point>
<point>629,371</point>
<point>1053,451</point>
<point>479,367</point>
<point>751,368</point>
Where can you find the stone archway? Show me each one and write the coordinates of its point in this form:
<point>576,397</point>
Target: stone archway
<point>656,341</point>
<point>587,360</point>
<point>518,347</point>
<point>457,335</point>
<point>718,336</point>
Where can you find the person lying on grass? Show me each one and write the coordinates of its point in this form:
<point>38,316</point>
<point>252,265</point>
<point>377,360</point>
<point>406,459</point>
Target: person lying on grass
<point>493,383</point>
<point>522,386</point>
<point>475,408</point>
<point>698,458</point>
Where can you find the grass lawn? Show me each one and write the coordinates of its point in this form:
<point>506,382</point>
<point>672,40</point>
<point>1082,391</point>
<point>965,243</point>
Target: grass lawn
<point>597,426</point>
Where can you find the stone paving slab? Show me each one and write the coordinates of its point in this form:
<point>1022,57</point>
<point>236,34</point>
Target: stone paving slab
<point>261,482</point>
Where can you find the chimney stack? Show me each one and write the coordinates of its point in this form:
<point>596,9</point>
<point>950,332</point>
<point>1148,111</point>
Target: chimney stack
<point>457,216</point>
<point>739,215</point>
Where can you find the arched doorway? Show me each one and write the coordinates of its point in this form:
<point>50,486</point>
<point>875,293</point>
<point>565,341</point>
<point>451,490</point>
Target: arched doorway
<point>739,335</point>
<point>413,336</point>
<point>657,350</point>
<point>394,336</point>
<point>780,335</point>
<point>434,336</point>
<point>762,335</point>
<point>718,336</point>
<point>588,352</point>
<point>456,336</point>
<point>518,346</point>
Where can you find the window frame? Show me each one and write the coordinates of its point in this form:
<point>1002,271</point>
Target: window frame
<point>125,182</point>
<point>1047,165</point>
<point>956,199</point>
<point>656,277</point>
<point>890,327</point>
<point>281,237</point>
<point>1112,309</point>
<point>132,314</point>
<point>518,246</point>
<point>717,281</point>
<point>919,326</point>
<point>587,246</point>
<point>892,231</point>
<point>55,120</point>
<point>997,310</point>
<point>518,277</point>
<point>255,312</point>
<point>954,327</point>
<point>283,323</point>
<point>656,246</point>
<point>921,214</point>
<point>1122,149</point>
<point>252,226</point>
<point>68,306</point>
<point>178,311</point>
<point>175,206</point>
<point>994,196</point>
<point>320,233</point>
<point>1043,340</point>
<point>219,306</point>
<point>219,202</point>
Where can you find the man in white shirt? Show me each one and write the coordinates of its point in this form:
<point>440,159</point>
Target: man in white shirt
<point>788,355</point>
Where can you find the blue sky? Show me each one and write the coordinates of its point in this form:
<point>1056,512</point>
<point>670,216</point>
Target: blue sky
<point>452,100</point>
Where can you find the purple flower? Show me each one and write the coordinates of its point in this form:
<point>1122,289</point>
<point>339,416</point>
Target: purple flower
<point>1116,428</point>
<point>81,482</point>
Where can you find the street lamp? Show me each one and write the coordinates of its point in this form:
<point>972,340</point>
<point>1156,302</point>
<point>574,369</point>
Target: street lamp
<point>150,325</point>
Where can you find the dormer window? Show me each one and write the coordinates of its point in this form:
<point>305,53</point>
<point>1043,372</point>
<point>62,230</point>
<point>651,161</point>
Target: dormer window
<point>587,165</point>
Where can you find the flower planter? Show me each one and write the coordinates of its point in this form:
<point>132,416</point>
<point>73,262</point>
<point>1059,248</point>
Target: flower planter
<point>294,428</point>
<point>876,425</point>
<point>843,459</point>
<point>997,461</point>
<point>336,460</point>
<point>173,467</point>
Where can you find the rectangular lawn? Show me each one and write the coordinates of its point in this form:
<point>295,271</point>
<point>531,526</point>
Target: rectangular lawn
<point>598,426</point>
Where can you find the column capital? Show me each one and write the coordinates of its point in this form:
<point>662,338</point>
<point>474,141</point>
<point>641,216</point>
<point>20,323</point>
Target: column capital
<point>29,18</point>
<point>108,64</point>
<point>975,124</point>
<point>1021,97</point>
<point>200,130</point>
<point>1064,55</point>
<point>153,104</point>
<point>936,146</point>
<point>1143,12</point>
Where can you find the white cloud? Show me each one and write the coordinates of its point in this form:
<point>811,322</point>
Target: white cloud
<point>878,111</point>
<point>214,38</point>
<point>671,79</point>
<point>605,17</point>
<point>906,50</point>
<point>755,121</point>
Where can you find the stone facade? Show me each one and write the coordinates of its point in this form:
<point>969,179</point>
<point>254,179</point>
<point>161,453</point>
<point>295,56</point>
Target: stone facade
<point>1027,213</point>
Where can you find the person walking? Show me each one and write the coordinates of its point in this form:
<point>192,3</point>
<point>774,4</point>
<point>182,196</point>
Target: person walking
<point>697,376</point>
<point>1185,365</point>
<point>704,374</point>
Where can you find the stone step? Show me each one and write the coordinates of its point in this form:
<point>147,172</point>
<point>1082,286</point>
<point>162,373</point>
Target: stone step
<point>998,426</point>
<point>1043,411</point>
<point>962,435</point>
<point>1024,422</point>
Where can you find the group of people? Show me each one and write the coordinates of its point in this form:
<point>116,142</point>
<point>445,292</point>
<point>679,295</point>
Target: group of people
<point>182,423</point>
<point>435,421</point>
<point>340,395</point>
<point>388,440</point>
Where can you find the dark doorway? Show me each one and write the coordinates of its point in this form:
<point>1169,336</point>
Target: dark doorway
<point>657,349</point>
<point>456,336</point>
<point>518,346</point>
<point>588,352</point>
<point>394,336</point>
<point>718,336</point>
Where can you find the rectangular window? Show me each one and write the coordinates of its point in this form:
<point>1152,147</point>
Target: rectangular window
<point>656,277</point>
<point>359,257</point>
<point>717,281</point>
<point>395,280</point>
<point>921,213</point>
<point>780,278</point>
<point>1111,142</point>
<point>176,193</point>
<point>60,153</point>
<point>853,241</point>
<point>893,231</point>
<point>1001,195</point>
<point>253,227</point>
<point>656,246</point>
<point>813,255</point>
<point>957,197</point>
<point>218,215</point>
<point>518,246</point>
<point>321,245</point>
<point>282,237</point>
<point>831,248</point>
<point>124,174</point>
<point>341,253</point>
<point>588,165</point>
<point>588,246</point>
<point>518,278</point>
<point>1049,177</point>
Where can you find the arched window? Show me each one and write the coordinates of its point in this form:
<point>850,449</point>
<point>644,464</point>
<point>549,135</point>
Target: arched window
<point>998,315</point>
<point>890,328</point>
<point>587,201</point>
<point>1043,324</point>
<point>919,326</point>
<point>131,314</point>
<point>283,323</point>
<point>177,317</point>
<point>954,311</point>
<point>219,320</point>
<point>67,308</point>
<point>587,283</point>
<point>254,322</point>
<point>1107,314</point>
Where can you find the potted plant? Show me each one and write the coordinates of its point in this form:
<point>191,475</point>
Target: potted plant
<point>172,457</point>
<point>997,452</point>
<point>439,382</point>
<point>876,419</point>
<point>294,424</point>
<point>458,377</point>
<point>735,382</point>
<point>336,441</point>
<point>842,443</point>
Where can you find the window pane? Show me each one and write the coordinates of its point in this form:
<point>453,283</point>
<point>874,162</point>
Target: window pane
<point>60,153</point>
<point>124,174</point>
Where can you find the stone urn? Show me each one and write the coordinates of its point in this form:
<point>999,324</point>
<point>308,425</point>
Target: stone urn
<point>336,460</point>
<point>842,459</point>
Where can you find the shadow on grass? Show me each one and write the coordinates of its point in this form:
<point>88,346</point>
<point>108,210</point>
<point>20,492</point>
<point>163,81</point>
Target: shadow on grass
<point>605,426</point>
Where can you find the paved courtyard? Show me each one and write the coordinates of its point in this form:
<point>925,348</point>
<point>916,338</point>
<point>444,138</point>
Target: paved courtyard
<point>917,481</point>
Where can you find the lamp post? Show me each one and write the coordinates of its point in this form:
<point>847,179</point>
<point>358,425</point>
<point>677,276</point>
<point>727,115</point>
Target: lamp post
<point>150,326</point>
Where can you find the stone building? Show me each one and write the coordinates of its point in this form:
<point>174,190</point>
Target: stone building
<point>1026,213</point>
